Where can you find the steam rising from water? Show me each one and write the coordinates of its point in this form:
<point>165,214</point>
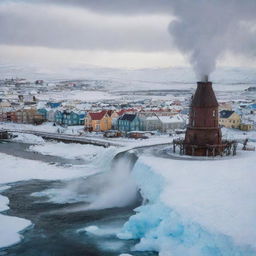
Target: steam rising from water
<point>119,188</point>
<point>204,30</point>
<point>108,189</point>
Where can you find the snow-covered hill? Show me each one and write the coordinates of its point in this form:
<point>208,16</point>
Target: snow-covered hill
<point>141,79</point>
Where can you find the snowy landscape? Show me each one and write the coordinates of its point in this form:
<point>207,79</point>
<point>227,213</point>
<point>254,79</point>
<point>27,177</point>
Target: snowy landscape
<point>198,207</point>
<point>127,128</point>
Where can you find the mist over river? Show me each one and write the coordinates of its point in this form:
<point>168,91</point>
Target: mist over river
<point>67,227</point>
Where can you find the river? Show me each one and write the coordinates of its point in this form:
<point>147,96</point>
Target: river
<point>55,229</point>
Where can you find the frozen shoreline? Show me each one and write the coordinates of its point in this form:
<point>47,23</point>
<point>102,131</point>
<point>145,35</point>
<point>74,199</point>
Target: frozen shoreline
<point>15,169</point>
<point>195,207</point>
<point>10,227</point>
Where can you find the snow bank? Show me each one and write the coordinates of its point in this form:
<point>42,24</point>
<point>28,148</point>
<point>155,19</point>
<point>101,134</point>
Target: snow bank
<point>69,151</point>
<point>10,226</point>
<point>235,134</point>
<point>28,138</point>
<point>45,127</point>
<point>15,169</point>
<point>195,207</point>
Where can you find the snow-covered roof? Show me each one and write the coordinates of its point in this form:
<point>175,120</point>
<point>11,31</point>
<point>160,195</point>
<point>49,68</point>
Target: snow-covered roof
<point>171,119</point>
<point>152,118</point>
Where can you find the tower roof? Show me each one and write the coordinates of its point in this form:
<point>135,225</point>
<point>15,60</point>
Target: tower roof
<point>204,96</point>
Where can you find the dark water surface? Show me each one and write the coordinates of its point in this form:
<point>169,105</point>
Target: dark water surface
<point>55,230</point>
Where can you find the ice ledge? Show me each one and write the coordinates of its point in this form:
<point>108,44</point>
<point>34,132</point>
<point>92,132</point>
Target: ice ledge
<point>175,191</point>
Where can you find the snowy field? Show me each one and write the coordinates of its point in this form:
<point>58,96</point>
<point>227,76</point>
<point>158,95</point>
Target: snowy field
<point>195,207</point>
<point>235,78</point>
<point>88,96</point>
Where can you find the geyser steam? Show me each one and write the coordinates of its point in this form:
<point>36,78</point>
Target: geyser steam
<point>204,30</point>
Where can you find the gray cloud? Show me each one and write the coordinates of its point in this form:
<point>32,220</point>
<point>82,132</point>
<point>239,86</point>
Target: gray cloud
<point>124,7</point>
<point>50,26</point>
<point>203,29</point>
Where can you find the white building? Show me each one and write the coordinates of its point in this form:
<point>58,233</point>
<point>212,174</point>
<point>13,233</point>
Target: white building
<point>169,123</point>
<point>163,123</point>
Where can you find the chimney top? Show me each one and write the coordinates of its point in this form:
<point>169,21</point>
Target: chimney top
<point>205,78</point>
<point>204,95</point>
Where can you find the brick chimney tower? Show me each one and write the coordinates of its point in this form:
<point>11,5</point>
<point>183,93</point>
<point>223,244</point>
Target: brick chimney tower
<point>203,135</point>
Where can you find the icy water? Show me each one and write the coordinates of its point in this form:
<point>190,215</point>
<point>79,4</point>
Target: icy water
<point>55,229</point>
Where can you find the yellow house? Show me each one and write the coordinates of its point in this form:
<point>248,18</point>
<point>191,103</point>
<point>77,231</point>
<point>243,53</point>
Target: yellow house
<point>246,127</point>
<point>98,121</point>
<point>229,119</point>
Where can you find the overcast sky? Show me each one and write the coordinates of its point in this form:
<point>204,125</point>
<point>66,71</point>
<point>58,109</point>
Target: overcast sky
<point>109,33</point>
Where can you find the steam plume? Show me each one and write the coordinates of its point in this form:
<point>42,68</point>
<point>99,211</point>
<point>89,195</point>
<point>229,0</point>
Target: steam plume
<point>206,29</point>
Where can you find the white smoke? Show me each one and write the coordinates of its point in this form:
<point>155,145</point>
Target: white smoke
<point>204,30</point>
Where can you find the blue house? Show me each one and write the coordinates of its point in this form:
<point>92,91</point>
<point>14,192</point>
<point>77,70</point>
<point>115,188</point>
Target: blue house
<point>53,104</point>
<point>42,112</point>
<point>82,116</point>
<point>252,106</point>
<point>58,117</point>
<point>129,122</point>
<point>69,118</point>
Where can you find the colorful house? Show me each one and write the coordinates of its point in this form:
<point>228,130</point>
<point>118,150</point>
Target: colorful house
<point>29,116</point>
<point>170,123</point>
<point>58,117</point>
<point>42,112</point>
<point>229,119</point>
<point>51,115</point>
<point>246,126</point>
<point>8,116</point>
<point>129,122</point>
<point>114,116</point>
<point>73,118</point>
<point>69,118</point>
<point>98,121</point>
